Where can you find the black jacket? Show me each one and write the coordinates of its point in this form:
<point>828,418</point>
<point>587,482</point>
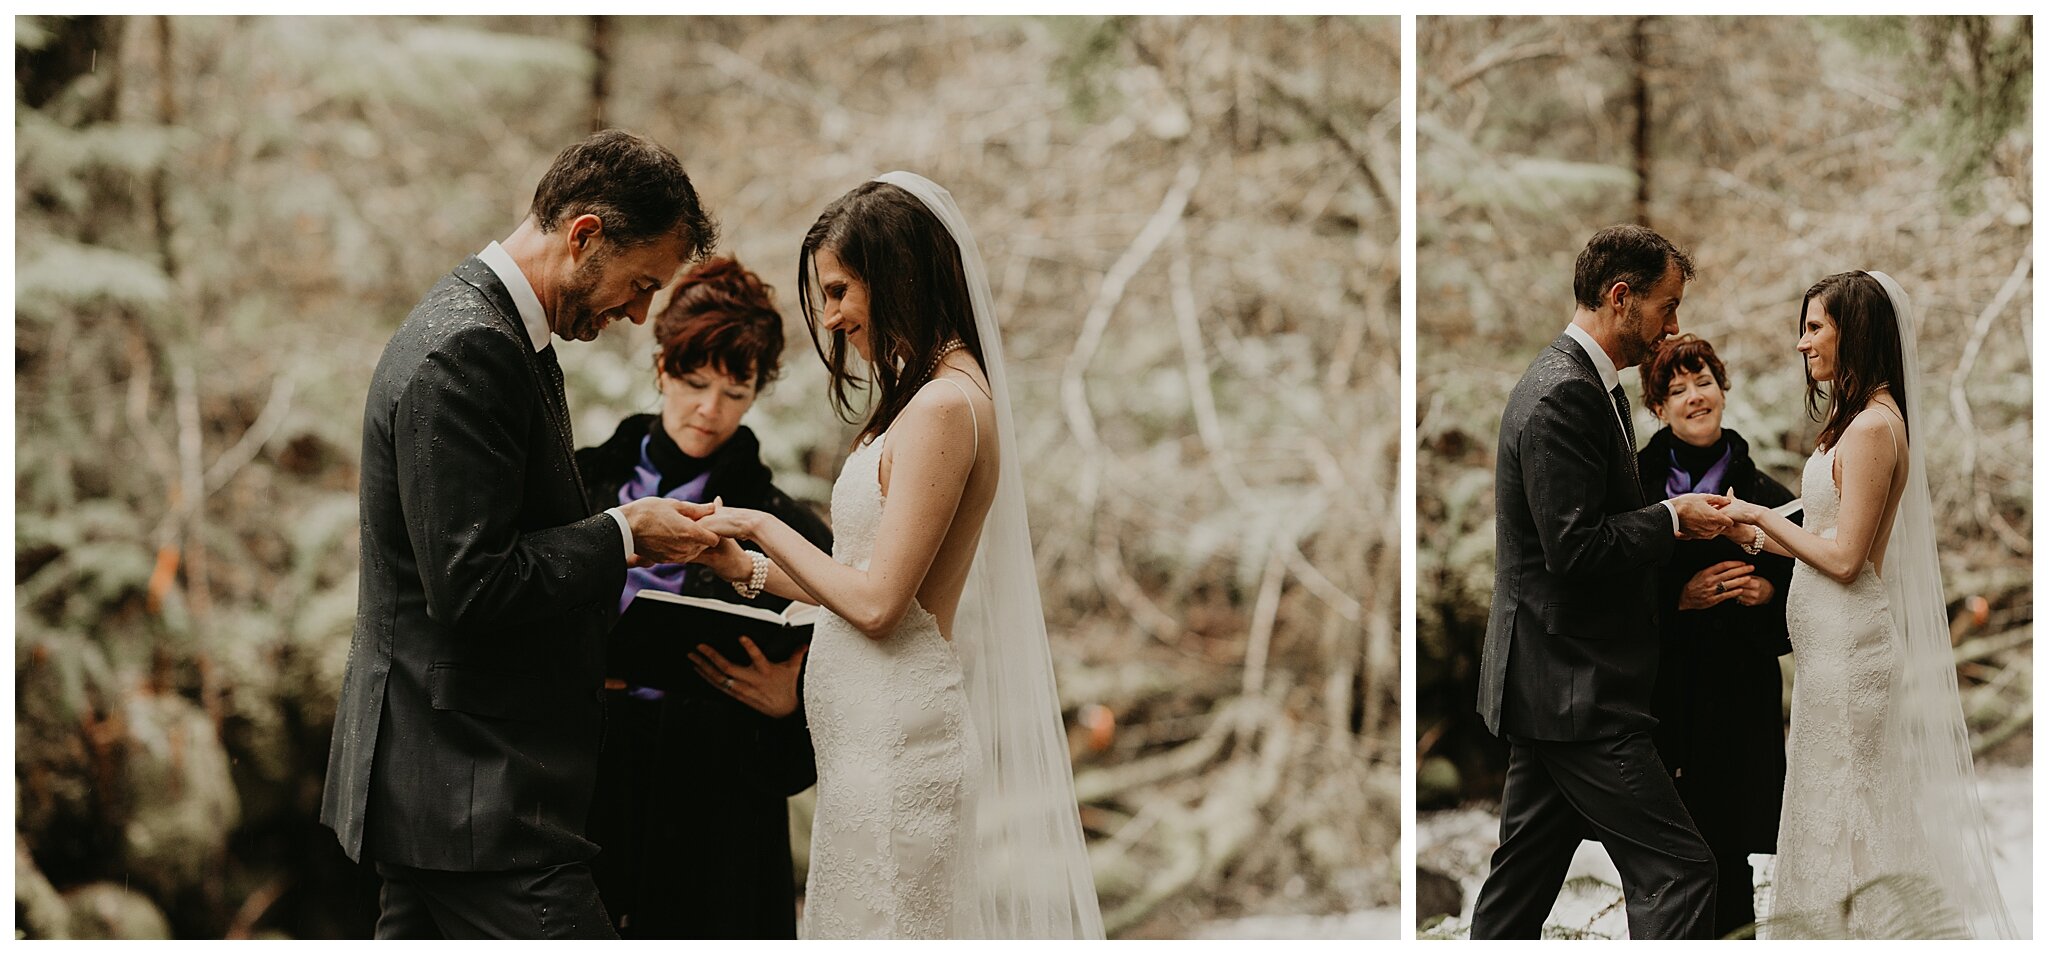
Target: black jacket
<point>467,732</point>
<point>691,796</point>
<point>1570,648</point>
<point>737,475</point>
<point>1719,692</point>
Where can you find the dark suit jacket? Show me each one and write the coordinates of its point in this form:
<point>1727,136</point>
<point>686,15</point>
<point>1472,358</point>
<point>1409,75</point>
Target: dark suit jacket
<point>472,710</point>
<point>1571,646</point>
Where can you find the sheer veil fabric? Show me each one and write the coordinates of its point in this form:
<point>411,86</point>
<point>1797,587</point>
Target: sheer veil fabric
<point>1033,874</point>
<point>1927,736</point>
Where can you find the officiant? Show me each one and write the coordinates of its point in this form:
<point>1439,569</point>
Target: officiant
<point>691,807</point>
<point>1718,697</point>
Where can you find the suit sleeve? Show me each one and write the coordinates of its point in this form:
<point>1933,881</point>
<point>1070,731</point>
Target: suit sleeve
<point>1565,461</point>
<point>460,432</point>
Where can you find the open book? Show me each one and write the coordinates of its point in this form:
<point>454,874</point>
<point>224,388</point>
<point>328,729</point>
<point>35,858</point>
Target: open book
<point>651,643</point>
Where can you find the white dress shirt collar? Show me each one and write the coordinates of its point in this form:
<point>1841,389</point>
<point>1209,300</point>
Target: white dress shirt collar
<point>531,314</point>
<point>1609,377</point>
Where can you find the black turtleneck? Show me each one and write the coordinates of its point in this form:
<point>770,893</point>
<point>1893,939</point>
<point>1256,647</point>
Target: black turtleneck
<point>677,468</point>
<point>1696,460</point>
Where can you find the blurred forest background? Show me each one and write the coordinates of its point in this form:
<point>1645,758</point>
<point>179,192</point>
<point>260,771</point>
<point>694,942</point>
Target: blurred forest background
<point>1777,151</point>
<point>1192,228</point>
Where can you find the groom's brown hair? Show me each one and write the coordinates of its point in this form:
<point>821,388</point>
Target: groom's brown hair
<point>634,184</point>
<point>1624,253</point>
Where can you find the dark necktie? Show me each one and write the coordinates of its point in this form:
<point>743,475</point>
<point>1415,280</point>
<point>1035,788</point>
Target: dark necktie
<point>557,396</point>
<point>558,410</point>
<point>1628,430</point>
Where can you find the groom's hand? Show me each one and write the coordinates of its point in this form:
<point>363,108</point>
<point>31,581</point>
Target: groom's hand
<point>666,531</point>
<point>1700,517</point>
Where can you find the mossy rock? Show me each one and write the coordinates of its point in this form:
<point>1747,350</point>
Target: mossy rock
<point>41,908</point>
<point>1438,784</point>
<point>108,910</point>
<point>184,798</point>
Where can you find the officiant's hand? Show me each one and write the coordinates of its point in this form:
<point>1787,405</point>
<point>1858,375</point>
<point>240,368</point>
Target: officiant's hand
<point>1722,582</point>
<point>1753,591</point>
<point>1700,516</point>
<point>770,688</point>
<point>667,531</point>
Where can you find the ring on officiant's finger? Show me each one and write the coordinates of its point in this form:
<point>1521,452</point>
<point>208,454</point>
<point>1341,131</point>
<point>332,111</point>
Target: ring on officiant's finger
<point>1719,588</point>
<point>728,683</point>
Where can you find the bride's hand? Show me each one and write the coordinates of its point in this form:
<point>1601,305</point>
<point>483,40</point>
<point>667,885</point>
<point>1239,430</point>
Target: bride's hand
<point>728,560</point>
<point>733,523</point>
<point>1741,511</point>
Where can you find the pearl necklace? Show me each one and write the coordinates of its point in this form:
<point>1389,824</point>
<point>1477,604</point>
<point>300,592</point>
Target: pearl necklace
<point>952,345</point>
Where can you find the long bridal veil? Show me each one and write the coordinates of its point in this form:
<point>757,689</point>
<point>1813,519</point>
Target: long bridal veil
<point>1033,871</point>
<point>1926,735</point>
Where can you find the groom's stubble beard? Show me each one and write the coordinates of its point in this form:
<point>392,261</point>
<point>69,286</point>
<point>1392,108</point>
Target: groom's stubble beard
<point>578,320</point>
<point>1640,346</point>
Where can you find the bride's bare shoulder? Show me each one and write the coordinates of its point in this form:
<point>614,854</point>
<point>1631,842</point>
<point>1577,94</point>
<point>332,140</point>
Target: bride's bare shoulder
<point>1880,419</point>
<point>944,410</point>
<point>1874,437</point>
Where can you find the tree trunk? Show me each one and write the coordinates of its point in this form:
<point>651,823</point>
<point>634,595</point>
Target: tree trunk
<point>1639,72</point>
<point>78,47</point>
<point>600,69</point>
<point>166,114</point>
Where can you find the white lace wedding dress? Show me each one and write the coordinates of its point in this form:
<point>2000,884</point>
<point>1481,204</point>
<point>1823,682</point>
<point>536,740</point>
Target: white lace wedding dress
<point>891,841</point>
<point>1882,834</point>
<point>1844,823</point>
<point>946,803</point>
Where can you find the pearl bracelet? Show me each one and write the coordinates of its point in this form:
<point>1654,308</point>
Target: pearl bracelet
<point>751,588</point>
<point>1756,541</point>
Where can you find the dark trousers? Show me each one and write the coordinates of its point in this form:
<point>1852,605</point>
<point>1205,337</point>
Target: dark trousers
<point>550,902</point>
<point>1614,790</point>
<point>1720,826</point>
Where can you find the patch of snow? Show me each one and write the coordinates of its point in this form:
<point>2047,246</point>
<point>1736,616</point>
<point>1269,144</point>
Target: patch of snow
<point>1460,842</point>
<point>1371,923</point>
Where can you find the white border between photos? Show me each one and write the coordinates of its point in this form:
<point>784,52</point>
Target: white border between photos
<point>1407,478</point>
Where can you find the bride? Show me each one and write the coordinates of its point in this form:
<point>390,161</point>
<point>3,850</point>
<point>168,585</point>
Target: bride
<point>945,798</point>
<point>1881,834</point>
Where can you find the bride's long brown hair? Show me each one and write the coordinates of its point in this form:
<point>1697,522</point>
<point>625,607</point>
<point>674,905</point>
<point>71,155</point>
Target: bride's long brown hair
<point>1867,352</point>
<point>917,296</point>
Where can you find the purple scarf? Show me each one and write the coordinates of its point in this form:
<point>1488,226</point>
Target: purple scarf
<point>1679,481</point>
<point>646,478</point>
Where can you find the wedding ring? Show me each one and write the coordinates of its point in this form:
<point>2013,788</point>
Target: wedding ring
<point>728,683</point>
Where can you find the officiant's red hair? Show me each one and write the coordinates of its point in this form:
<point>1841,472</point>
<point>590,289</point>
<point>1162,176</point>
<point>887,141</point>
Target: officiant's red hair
<point>1867,352</point>
<point>722,315</point>
<point>1686,354</point>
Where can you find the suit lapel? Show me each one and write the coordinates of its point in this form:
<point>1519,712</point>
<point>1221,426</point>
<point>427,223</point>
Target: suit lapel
<point>1584,363</point>
<point>546,369</point>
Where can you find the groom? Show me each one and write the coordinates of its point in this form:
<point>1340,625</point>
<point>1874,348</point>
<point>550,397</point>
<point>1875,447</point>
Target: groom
<point>466,740</point>
<point>1571,650</point>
